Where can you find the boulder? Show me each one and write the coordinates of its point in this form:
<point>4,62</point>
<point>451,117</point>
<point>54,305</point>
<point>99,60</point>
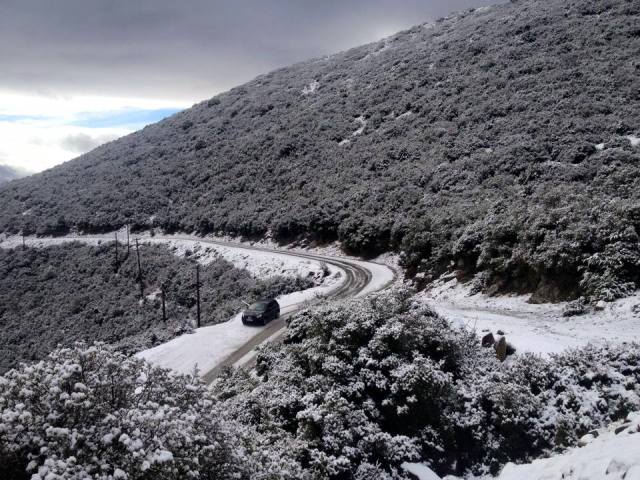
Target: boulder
<point>488,340</point>
<point>501,349</point>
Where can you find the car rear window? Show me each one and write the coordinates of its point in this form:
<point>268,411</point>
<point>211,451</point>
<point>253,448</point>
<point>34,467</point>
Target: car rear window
<point>259,306</point>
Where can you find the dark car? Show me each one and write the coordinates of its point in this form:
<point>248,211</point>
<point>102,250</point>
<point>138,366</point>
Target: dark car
<point>261,312</point>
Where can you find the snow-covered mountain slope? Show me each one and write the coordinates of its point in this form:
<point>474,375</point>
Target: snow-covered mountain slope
<point>501,140</point>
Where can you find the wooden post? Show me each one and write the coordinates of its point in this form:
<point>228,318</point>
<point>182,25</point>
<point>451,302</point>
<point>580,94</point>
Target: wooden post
<point>116,252</point>
<point>139,270</point>
<point>163,295</point>
<point>23,243</point>
<point>128,243</point>
<point>198,291</point>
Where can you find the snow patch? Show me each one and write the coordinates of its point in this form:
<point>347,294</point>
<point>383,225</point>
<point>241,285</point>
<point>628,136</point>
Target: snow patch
<point>404,115</point>
<point>607,456</point>
<point>261,265</point>
<point>600,146</point>
<point>311,88</point>
<point>363,124</point>
<point>162,456</point>
<point>635,141</point>
<point>420,470</point>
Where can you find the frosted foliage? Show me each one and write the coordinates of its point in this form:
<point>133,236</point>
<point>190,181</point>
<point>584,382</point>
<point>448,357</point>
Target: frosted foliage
<point>366,385</point>
<point>87,412</point>
<point>355,390</point>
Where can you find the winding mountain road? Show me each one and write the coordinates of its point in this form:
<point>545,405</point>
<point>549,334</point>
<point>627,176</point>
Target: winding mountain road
<point>358,278</point>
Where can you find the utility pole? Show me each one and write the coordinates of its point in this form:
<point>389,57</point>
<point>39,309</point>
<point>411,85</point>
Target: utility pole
<point>198,291</point>
<point>139,270</point>
<point>128,244</point>
<point>116,251</point>
<point>163,295</point>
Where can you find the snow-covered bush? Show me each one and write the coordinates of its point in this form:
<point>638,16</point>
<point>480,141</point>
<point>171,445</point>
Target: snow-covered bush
<point>89,412</point>
<point>353,387</point>
<point>365,385</point>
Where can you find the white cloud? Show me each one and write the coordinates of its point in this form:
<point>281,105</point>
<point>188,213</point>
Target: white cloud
<point>37,132</point>
<point>38,145</point>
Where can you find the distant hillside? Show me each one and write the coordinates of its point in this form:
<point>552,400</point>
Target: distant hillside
<point>502,141</point>
<point>8,173</point>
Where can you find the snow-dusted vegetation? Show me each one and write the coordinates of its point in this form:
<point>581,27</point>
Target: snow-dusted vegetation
<point>358,388</point>
<point>70,292</point>
<point>606,454</point>
<point>355,390</point>
<point>518,159</point>
<point>87,412</point>
<point>496,150</point>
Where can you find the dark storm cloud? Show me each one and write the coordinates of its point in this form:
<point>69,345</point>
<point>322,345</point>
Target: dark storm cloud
<point>184,49</point>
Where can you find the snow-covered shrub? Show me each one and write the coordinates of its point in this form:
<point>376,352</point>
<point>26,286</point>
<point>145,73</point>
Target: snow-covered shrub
<point>531,405</point>
<point>88,412</point>
<point>596,385</point>
<point>354,388</point>
<point>576,307</point>
<point>611,274</point>
<point>367,384</point>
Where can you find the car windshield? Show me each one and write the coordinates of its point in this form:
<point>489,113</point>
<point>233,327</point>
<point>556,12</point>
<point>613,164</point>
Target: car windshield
<point>259,306</point>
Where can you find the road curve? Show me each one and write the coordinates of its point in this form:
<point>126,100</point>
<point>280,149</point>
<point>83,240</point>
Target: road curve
<point>358,277</point>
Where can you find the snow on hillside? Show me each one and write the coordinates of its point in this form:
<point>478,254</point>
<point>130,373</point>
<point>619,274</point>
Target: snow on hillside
<point>611,453</point>
<point>208,346</point>
<point>261,265</point>
<point>538,328</point>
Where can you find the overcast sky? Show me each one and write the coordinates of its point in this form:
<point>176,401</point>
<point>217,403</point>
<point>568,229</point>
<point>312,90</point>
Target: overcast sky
<point>76,73</point>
